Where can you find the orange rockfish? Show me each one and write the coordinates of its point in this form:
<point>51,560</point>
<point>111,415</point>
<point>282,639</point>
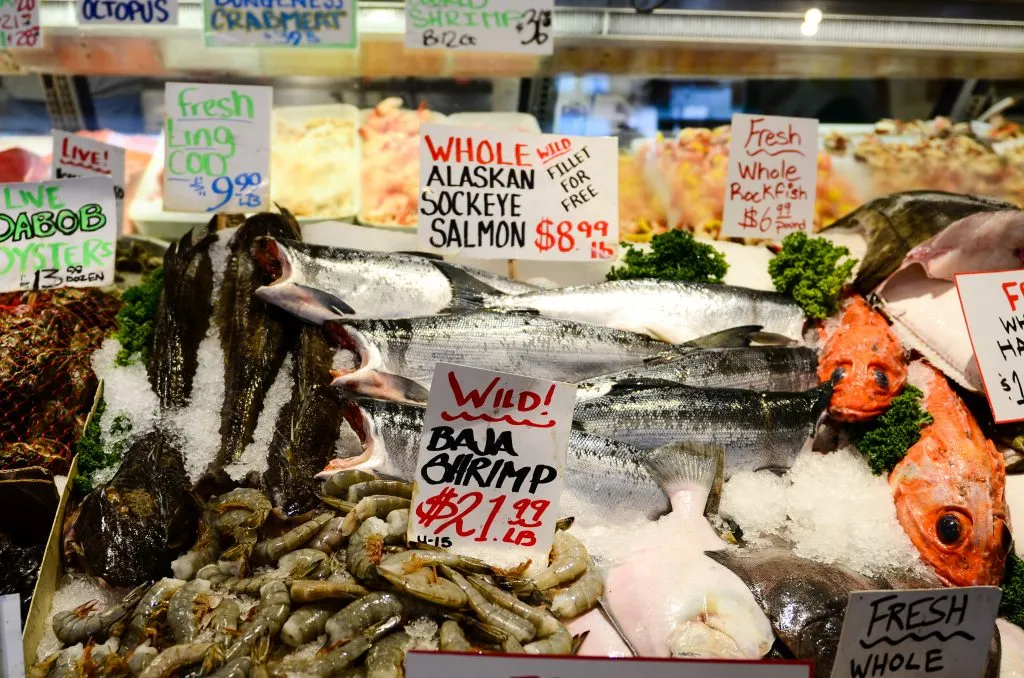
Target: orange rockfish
<point>863,359</point>
<point>949,490</point>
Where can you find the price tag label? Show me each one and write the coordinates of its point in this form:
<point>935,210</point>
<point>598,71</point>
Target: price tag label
<point>217,148</point>
<point>142,12</point>
<point>492,455</point>
<point>284,23</point>
<point>772,177</point>
<point>941,633</point>
<point>19,24</point>
<point>513,195</point>
<point>444,665</point>
<point>524,26</point>
<point>993,305</point>
<point>75,157</point>
<point>57,234</point>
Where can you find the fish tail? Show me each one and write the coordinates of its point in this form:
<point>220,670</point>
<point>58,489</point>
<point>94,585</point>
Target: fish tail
<point>686,466</point>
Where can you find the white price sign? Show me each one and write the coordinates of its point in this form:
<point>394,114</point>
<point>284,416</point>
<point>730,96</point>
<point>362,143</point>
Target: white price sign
<point>993,305</point>
<point>514,195</point>
<point>772,177</point>
<point>217,148</point>
<point>141,12</point>
<point>19,24</point>
<point>57,234</point>
<point>446,665</point>
<point>282,23</point>
<point>524,26</point>
<point>75,157</point>
<point>492,456</point>
<point>941,633</point>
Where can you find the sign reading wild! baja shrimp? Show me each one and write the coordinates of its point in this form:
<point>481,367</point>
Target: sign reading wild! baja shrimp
<point>773,173</point>
<point>492,455</point>
<point>217,148</point>
<point>75,157</point>
<point>514,195</point>
<point>57,234</point>
<point>523,26</point>
<point>993,305</point>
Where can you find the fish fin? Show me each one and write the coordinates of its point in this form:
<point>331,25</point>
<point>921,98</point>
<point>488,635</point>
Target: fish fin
<point>327,300</point>
<point>606,611</point>
<point>466,288</point>
<point>383,386</point>
<point>772,339</point>
<point>633,384</point>
<point>679,465</point>
<point>668,356</point>
<point>423,255</point>
<point>734,337</point>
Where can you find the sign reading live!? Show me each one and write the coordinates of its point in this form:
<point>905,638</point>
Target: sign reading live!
<point>772,177</point>
<point>75,157</point>
<point>514,195</point>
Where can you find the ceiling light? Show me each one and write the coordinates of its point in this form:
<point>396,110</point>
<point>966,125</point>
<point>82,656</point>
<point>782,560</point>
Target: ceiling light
<point>813,16</point>
<point>808,29</point>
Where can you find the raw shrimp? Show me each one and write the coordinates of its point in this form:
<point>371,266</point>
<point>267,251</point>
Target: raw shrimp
<point>408,561</point>
<point>307,622</point>
<point>236,668</point>
<point>259,659</point>
<point>376,505</point>
<point>365,548</point>
<point>252,586</point>
<point>177,657</point>
<point>542,621</point>
<point>307,591</point>
<point>338,484</point>
<point>271,614</point>
<point>301,562</point>
<point>150,608</point>
<point>66,665</point>
<point>559,642</point>
<point>491,614</point>
<point>391,488</point>
<point>329,539</point>
<point>224,621</point>
<point>398,526</point>
<point>181,613</point>
<point>387,656</point>
<point>140,658</point>
<point>361,614</point>
<point>42,668</point>
<point>426,585</point>
<point>336,660</point>
<point>580,596</point>
<point>452,639</point>
<point>204,552</point>
<point>268,551</point>
<point>78,625</point>
<point>568,561</point>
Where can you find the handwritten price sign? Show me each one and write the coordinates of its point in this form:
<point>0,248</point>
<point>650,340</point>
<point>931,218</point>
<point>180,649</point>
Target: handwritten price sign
<point>523,26</point>
<point>513,195</point>
<point>773,173</point>
<point>19,24</point>
<point>489,473</point>
<point>75,157</point>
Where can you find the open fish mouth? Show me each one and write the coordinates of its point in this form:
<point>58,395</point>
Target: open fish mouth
<point>366,380</point>
<point>373,452</point>
<point>272,259</point>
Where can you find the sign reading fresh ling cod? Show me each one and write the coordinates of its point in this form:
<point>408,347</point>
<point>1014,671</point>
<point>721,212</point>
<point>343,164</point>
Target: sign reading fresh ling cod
<point>75,157</point>
<point>772,177</point>
<point>217,148</point>
<point>489,471</point>
<point>57,234</point>
<point>514,195</point>
<point>523,26</point>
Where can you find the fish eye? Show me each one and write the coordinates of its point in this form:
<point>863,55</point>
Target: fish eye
<point>949,528</point>
<point>882,379</point>
<point>837,374</point>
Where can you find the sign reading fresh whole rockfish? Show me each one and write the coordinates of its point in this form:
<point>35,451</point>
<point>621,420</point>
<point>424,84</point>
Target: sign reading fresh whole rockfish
<point>993,305</point>
<point>772,176</point>
<point>142,12</point>
<point>284,23</point>
<point>217,148</point>
<point>57,234</point>
<point>19,24</point>
<point>944,633</point>
<point>523,26</point>
<point>75,157</point>
<point>492,455</point>
<point>512,195</point>
<point>445,664</point>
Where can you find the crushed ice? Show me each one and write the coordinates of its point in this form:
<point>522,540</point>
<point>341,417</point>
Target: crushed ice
<point>127,394</point>
<point>74,590</point>
<point>423,634</point>
<point>254,457</point>
<point>198,423</point>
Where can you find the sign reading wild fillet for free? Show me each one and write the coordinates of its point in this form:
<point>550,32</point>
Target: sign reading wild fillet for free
<point>523,26</point>
<point>57,234</point>
<point>512,195</point>
<point>489,471</point>
<point>217,148</point>
<point>772,177</point>
<point>288,23</point>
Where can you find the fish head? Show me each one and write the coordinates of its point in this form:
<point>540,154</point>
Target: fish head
<point>272,258</point>
<point>950,499</point>
<point>864,361</point>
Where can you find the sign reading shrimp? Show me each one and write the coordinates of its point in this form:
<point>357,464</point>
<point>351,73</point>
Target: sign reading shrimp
<point>993,305</point>
<point>492,455</point>
<point>773,172</point>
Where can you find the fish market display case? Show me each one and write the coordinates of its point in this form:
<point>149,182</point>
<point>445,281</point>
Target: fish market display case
<point>753,429</point>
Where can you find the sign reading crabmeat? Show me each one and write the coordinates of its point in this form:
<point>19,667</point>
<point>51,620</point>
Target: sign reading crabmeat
<point>57,234</point>
<point>492,455</point>
<point>513,195</point>
<point>772,176</point>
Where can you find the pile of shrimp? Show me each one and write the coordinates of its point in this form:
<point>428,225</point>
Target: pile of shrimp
<point>344,580</point>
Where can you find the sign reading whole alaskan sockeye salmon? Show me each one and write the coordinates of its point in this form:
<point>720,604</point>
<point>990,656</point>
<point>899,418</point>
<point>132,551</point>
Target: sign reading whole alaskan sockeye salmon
<point>940,633</point>
<point>993,305</point>
<point>492,455</point>
<point>57,234</point>
<point>772,176</point>
<point>482,26</point>
<point>513,195</point>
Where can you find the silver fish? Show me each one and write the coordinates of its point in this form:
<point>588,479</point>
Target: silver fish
<point>606,482</point>
<point>675,312</point>
<point>397,357</point>
<point>756,430</point>
<point>760,368</point>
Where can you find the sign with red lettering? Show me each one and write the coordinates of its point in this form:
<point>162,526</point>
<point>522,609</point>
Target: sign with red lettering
<point>492,455</point>
<point>19,24</point>
<point>940,633</point>
<point>513,195</point>
<point>773,172</point>
<point>993,305</point>
<point>446,664</point>
<point>75,156</point>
